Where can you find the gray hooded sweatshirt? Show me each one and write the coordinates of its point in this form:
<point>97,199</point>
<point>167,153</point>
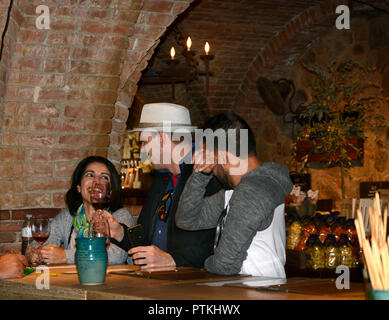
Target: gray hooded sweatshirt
<point>251,210</point>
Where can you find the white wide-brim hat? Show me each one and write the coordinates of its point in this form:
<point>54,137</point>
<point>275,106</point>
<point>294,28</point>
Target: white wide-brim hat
<point>164,117</point>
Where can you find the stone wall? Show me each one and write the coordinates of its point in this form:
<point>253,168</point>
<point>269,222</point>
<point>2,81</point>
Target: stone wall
<point>366,43</point>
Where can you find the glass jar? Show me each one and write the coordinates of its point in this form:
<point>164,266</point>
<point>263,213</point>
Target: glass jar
<point>323,231</point>
<point>294,235</point>
<point>331,252</point>
<point>308,228</point>
<point>351,231</point>
<point>345,251</point>
<point>314,253</point>
<point>337,228</point>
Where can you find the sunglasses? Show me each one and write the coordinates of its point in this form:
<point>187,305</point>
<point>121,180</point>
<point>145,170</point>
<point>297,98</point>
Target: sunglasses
<point>219,227</point>
<point>162,214</point>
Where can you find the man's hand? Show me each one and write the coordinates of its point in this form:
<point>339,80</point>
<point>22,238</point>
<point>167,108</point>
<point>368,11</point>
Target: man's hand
<point>203,161</point>
<point>106,224</point>
<point>12,266</point>
<point>51,253</point>
<point>151,257</point>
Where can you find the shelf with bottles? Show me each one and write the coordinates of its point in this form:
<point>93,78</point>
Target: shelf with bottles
<point>131,146</point>
<point>136,180</point>
<point>132,173</point>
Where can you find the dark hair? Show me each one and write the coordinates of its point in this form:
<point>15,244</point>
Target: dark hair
<point>230,120</point>
<point>73,197</point>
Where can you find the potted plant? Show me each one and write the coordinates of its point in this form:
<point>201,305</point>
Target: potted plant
<point>334,121</point>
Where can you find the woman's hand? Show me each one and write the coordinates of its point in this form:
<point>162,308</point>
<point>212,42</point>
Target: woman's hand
<point>100,224</point>
<point>33,254</point>
<point>106,224</point>
<point>12,266</point>
<point>51,253</point>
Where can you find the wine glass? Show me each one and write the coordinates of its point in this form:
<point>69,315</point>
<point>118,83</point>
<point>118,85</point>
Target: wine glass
<point>99,198</point>
<point>40,229</point>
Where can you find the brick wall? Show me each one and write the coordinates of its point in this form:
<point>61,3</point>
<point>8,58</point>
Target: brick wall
<point>66,93</point>
<point>59,97</point>
<point>10,21</point>
<point>151,24</point>
<point>11,222</point>
<point>4,9</point>
<point>238,31</point>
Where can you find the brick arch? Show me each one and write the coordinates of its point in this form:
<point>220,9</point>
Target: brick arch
<point>154,18</point>
<point>66,90</point>
<point>11,18</point>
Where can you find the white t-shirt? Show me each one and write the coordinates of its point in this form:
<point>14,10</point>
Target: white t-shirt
<point>266,255</point>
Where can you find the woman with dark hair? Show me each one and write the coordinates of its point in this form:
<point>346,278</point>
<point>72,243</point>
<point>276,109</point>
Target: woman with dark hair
<point>74,221</point>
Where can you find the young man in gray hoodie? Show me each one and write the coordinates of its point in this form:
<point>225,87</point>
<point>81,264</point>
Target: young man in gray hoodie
<point>248,214</point>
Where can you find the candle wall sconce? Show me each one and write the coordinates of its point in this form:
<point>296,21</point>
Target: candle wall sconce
<point>178,71</point>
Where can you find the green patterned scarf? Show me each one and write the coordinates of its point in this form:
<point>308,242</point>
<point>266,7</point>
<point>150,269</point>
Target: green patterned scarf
<point>81,225</point>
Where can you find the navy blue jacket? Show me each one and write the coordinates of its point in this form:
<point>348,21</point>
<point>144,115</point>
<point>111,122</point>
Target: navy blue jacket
<point>188,248</point>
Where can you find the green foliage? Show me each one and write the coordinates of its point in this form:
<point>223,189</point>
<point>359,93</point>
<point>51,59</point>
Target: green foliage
<point>342,107</point>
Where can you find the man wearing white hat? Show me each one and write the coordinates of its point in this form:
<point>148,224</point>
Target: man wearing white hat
<point>166,138</point>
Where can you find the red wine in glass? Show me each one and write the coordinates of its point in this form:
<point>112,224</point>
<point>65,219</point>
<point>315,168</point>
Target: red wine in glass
<point>40,229</point>
<point>100,199</point>
<point>100,205</point>
<point>99,196</point>
<point>41,238</point>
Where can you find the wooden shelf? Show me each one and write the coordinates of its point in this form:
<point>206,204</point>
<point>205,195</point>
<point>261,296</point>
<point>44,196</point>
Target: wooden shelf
<point>134,196</point>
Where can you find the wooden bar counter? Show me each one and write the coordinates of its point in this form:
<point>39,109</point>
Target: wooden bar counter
<point>126,283</point>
